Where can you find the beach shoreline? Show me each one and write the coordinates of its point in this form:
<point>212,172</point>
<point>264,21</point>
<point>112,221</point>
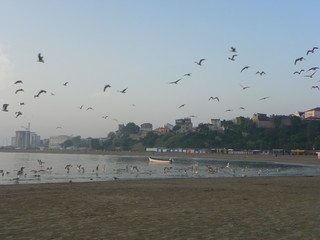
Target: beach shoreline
<point>303,159</point>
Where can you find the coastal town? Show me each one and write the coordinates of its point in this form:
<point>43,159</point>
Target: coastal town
<point>27,139</point>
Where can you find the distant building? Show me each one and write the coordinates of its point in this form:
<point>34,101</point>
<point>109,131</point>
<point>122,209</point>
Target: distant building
<point>56,141</point>
<point>168,125</point>
<point>145,128</point>
<point>261,120</point>
<point>22,139</point>
<point>312,114</point>
<point>215,125</point>
<point>161,130</point>
<point>35,141</point>
<point>185,125</point>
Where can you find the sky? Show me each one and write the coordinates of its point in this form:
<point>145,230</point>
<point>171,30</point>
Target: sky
<point>143,45</point>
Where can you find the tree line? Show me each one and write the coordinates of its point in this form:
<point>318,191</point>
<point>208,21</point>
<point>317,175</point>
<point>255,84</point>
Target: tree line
<point>242,135</point>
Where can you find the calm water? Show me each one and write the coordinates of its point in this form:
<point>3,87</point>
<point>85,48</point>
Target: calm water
<point>51,168</point>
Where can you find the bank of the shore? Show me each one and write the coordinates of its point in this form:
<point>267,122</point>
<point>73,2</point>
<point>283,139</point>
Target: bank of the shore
<point>305,159</point>
<point>225,208</point>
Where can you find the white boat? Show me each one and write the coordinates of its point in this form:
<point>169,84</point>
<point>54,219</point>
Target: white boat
<point>158,160</point>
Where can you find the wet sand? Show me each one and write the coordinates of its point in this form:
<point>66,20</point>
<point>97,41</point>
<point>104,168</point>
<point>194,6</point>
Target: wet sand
<point>220,208</point>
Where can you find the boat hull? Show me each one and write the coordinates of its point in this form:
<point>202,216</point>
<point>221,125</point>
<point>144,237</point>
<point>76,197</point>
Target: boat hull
<point>160,161</point>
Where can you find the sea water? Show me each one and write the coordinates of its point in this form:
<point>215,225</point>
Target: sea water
<point>57,168</point>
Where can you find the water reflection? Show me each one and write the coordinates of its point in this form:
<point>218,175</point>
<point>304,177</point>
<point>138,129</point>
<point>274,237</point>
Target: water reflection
<point>53,168</point>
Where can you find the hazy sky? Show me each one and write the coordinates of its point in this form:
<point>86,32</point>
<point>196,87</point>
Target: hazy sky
<point>143,45</point>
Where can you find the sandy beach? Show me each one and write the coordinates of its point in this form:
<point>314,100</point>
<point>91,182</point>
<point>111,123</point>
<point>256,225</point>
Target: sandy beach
<point>215,208</point>
<point>223,208</point>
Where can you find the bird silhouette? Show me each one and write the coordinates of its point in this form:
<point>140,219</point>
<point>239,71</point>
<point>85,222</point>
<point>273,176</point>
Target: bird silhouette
<point>233,49</point>
<point>19,90</point>
<point>244,87</point>
<point>65,84</point>
<point>310,76</point>
<point>40,58</point>
<point>5,107</point>
<point>182,105</point>
<point>124,90</point>
<point>242,108</point>
<point>260,73</point>
<point>187,75</point>
<point>22,103</point>
<point>232,58</point>
<point>246,67</point>
<point>298,59</point>
<point>299,72</point>
<point>106,86</point>
<point>264,98</point>
<point>312,50</point>
<point>89,108</point>
<point>41,91</point>
<point>315,87</point>
<point>228,110</point>
<point>19,81</point>
<point>81,107</point>
<point>313,69</point>
<point>214,98</point>
<point>105,117</point>
<point>200,62</point>
<point>175,82</point>
<point>18,114</point>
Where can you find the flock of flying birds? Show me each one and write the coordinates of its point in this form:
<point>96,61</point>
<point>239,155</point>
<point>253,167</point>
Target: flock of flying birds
<point>309,73</point>
<point>234,52</point>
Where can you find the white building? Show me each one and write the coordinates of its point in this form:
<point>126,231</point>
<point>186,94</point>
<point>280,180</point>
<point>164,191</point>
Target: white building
<point>56,141</point>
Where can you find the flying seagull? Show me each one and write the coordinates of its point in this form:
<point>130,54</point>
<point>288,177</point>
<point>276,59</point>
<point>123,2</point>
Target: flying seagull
<point>40,58</point>
<point>200,62</point>
<point>228,110</point>
<point>298,59</point>
<point>310,76</point>
<point>19,90</point>
<point>175,82</point>
<point>244,87</point>
<point>187,75</point>
<point>214,98</point>
<point>5,107</point>
<point>261,73</point>
<point>315,87</point>
<point>264,98</point>
<point>124,90</point>
<point>233,49</point>
<point>312,50</point>
<point>81,107</point>
<point>313,69</point>
<point>18,114</point>
<point>19,81</point>
<point>182,105</point>
<point>65,84</point>
<point>106,86</point>
<point>232,58</point>
<point>89,108</point>
<point>41,91</point>
<point>246,67</point>
<point>105,117</point>
<point>299,72</point>
<point>242,108</point>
